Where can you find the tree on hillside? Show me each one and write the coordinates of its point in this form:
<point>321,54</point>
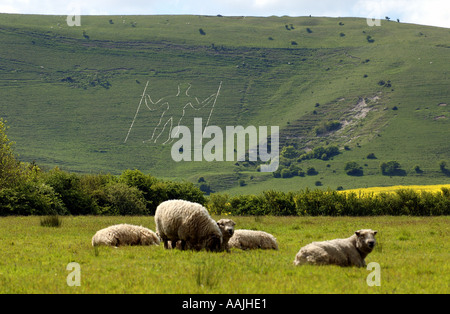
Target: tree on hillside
<point>354,169</point>
<point>289,152</point>
<point>392,168</point>
<point>11,170</point>
<point>443,167</point>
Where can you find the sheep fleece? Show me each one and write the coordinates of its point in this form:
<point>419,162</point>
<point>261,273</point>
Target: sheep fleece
<point>342,252</point>
<point>252,239</point>
<point>189,222</point>
<point>125,234</point>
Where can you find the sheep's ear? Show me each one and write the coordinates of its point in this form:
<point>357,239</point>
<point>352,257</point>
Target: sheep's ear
<point>375,232</point>
<point>358,233</point>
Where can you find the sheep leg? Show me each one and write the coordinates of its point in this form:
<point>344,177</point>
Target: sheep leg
<point>166,242</point>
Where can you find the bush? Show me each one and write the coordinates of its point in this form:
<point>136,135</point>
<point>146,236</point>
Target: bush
<point>245,205</point>
<point>205,188</point>
<point>312,171</point>
<point>12,172</point>
<point>418,170</point>
<point>121,199</point>
<point>327,126</point>
<point>323,153</point>
<point>277,203</point>
<point>184,190</point>
<point>392,168</point>
<point>31,198</point>
<point>219,204</point>
<point>443,167</point>
<point>286,173</point>
<point>353,169</point>
<point>289,152</point>
<point>75,198</point>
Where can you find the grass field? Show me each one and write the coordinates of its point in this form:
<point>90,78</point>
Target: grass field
<point>413,254</point>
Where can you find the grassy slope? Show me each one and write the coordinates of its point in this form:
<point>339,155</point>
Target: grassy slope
<point>81,127</point>
<point>412,253</point>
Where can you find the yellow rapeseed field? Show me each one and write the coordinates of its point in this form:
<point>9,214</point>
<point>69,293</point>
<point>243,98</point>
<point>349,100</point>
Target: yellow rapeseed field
<point>392,189</point>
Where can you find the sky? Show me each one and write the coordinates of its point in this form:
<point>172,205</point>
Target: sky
<point>425,12</point>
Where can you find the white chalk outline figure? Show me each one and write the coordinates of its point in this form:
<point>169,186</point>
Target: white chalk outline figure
<point>173,108</point>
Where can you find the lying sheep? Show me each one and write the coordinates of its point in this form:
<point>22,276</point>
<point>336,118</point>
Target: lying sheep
<point>190,223</point>
<point>125,234</point>
<point>251,239</point>
<point>342,252</point>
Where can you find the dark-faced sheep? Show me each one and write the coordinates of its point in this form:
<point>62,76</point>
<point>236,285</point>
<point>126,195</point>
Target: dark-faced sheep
<point>342,252</point>
<point>125,234</point>
<point>189,223</point>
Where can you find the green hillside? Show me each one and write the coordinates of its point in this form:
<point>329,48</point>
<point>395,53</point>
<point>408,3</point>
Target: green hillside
<point>72,96</point>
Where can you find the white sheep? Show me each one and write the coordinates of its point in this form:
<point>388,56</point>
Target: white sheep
<point>189,223</point>
<point>125,234</point>
<point>252,239</point>
<point>342,252</point>
<point>226,226</point>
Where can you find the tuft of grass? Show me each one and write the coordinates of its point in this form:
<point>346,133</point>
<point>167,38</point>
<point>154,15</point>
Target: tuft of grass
<point>51,221</point>
<point>207,275</point>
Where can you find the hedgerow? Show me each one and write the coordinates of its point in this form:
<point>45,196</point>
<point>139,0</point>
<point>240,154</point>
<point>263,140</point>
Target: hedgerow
<point>333,203</point>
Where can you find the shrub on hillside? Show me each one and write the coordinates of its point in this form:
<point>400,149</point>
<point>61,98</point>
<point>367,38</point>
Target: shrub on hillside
<point>327,126</point>
<point>289,152</point>
<point>320,152</point>
<point>392,168</point>
<point>354,169</point>
<point>312,171</point>
<point>443,167</point>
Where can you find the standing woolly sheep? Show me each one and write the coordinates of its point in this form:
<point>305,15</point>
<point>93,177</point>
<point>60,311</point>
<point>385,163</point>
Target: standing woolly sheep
<point>189,223</point>
<point>251,239</point>
<point>226,226</point>
<point>342,252</point>
<point>125,234</point>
